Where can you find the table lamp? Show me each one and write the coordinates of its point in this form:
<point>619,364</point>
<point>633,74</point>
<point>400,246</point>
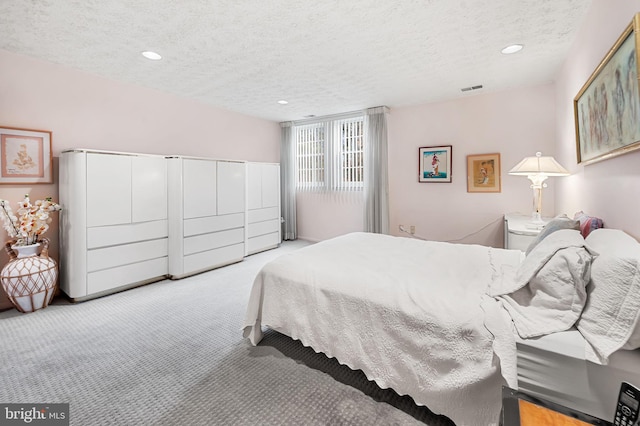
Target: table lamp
<point>538,169</point>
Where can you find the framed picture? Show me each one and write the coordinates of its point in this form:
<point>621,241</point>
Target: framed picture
<point>483,173</point>
<point>607,108</point>
<point>25,156</point>
<point>434,164</point>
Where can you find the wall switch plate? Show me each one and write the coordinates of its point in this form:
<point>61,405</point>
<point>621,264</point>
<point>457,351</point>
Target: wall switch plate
<point>412,229</point>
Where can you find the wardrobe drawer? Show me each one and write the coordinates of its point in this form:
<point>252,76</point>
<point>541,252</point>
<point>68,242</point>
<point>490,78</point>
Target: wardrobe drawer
<point>108,279</point>
<point>104,236</point>
<point>261,228</point>
<point>263,242</point>
<point>213,258</point>
<point>214,240</point>
<point>111,257</point>
<point>204,225</point>
<point>260,215</point>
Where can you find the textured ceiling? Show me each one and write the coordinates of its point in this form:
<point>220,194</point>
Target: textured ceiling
<point>324,57</point>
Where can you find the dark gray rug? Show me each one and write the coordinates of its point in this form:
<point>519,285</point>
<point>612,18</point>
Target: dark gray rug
<point>354,378</point>
<point>172,353</point>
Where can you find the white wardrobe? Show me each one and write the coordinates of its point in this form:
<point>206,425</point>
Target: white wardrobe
<point>207,214</point>
<point>263,207</point>
<point>113,226</point>
<point>130,219</point>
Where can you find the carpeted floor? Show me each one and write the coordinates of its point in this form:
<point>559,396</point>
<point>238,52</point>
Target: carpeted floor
<point>172,353</point>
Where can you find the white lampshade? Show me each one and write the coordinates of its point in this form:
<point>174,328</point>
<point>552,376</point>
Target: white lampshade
<point>539,164</point>
<point>538,169</point>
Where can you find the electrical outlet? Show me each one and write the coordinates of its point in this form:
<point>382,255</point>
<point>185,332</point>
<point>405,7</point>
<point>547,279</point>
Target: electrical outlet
<point>412,229</point>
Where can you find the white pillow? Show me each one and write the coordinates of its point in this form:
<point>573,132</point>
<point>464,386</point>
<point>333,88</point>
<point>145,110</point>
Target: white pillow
<point>613,242</point>
<point>610,319</point>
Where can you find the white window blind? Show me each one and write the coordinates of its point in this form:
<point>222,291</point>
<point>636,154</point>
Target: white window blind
<point>330,155</point>
<point>351,153</point>
<point>310,155</point>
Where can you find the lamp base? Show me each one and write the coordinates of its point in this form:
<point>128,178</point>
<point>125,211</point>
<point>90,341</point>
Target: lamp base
<point>536,221</point>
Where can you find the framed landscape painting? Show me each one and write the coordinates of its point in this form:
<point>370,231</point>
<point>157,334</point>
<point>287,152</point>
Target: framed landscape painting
<point>607,108</point>
<point>483,173</point>
<point>434,164</point>
<point>25,156</point>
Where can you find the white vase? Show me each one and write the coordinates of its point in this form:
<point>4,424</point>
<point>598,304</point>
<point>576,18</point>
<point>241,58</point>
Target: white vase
<point>29,279</point>
<point>26,251</point>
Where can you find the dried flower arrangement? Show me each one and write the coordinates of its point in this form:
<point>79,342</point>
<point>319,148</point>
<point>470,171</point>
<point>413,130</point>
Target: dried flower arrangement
<point>32,221</point>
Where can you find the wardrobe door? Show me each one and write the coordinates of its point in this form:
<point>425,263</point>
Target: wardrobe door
<point>270,185</point>
<point>254,186</point>
<point>231,187</point>
<point>108,189</point>
<point>149,188</point>
<point>199,188</point>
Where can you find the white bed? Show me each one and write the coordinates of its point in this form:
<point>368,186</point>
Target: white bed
<point>428,319</point>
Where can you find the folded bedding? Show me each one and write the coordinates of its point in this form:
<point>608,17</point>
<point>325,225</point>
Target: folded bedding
<point>591,283</point>
<point>548,291</point>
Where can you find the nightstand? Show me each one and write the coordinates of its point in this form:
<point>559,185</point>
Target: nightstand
<point>518,231</point>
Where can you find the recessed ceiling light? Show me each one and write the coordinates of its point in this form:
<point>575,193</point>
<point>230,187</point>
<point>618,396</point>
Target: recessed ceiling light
<point>151,55</point>
<point>283,102</point>
<point>512,49</point>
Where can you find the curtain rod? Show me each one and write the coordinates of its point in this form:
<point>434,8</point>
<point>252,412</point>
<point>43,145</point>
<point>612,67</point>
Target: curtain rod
<point>343,115</point>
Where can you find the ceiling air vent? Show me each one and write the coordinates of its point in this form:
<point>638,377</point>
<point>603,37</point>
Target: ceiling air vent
<point>470,88</point>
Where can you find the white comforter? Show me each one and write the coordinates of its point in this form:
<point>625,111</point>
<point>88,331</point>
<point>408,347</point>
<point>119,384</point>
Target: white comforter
<point>413,315</point>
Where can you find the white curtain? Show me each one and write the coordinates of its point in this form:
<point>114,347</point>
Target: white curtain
<point>376,178</point>
<point>288,181</point>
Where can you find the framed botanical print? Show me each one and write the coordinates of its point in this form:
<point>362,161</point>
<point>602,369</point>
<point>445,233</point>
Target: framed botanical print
<point>483,173</point>
<point>25,156</point>
<point>434,163</point>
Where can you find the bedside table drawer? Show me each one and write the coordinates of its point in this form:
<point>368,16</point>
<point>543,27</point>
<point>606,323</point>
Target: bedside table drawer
<point>519,241</point>
<point>519,231</point>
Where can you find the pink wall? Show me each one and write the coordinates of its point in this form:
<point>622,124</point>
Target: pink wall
<point>514,123</point>
<point>321,215</point>
<point>87,111</point>
<point>609,189</point>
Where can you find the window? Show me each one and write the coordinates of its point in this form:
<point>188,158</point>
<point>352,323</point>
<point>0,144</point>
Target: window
<point>310,154</point>
<point>351,153</point>
<point>330,155</point>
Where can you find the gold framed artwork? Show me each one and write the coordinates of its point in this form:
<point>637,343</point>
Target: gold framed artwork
<point>607,108</point>
<point>25,156</point>
<point>434,164</point>
<point>483,173</point>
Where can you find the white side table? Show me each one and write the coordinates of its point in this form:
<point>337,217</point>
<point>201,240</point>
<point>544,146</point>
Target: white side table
<point>519,233</point>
